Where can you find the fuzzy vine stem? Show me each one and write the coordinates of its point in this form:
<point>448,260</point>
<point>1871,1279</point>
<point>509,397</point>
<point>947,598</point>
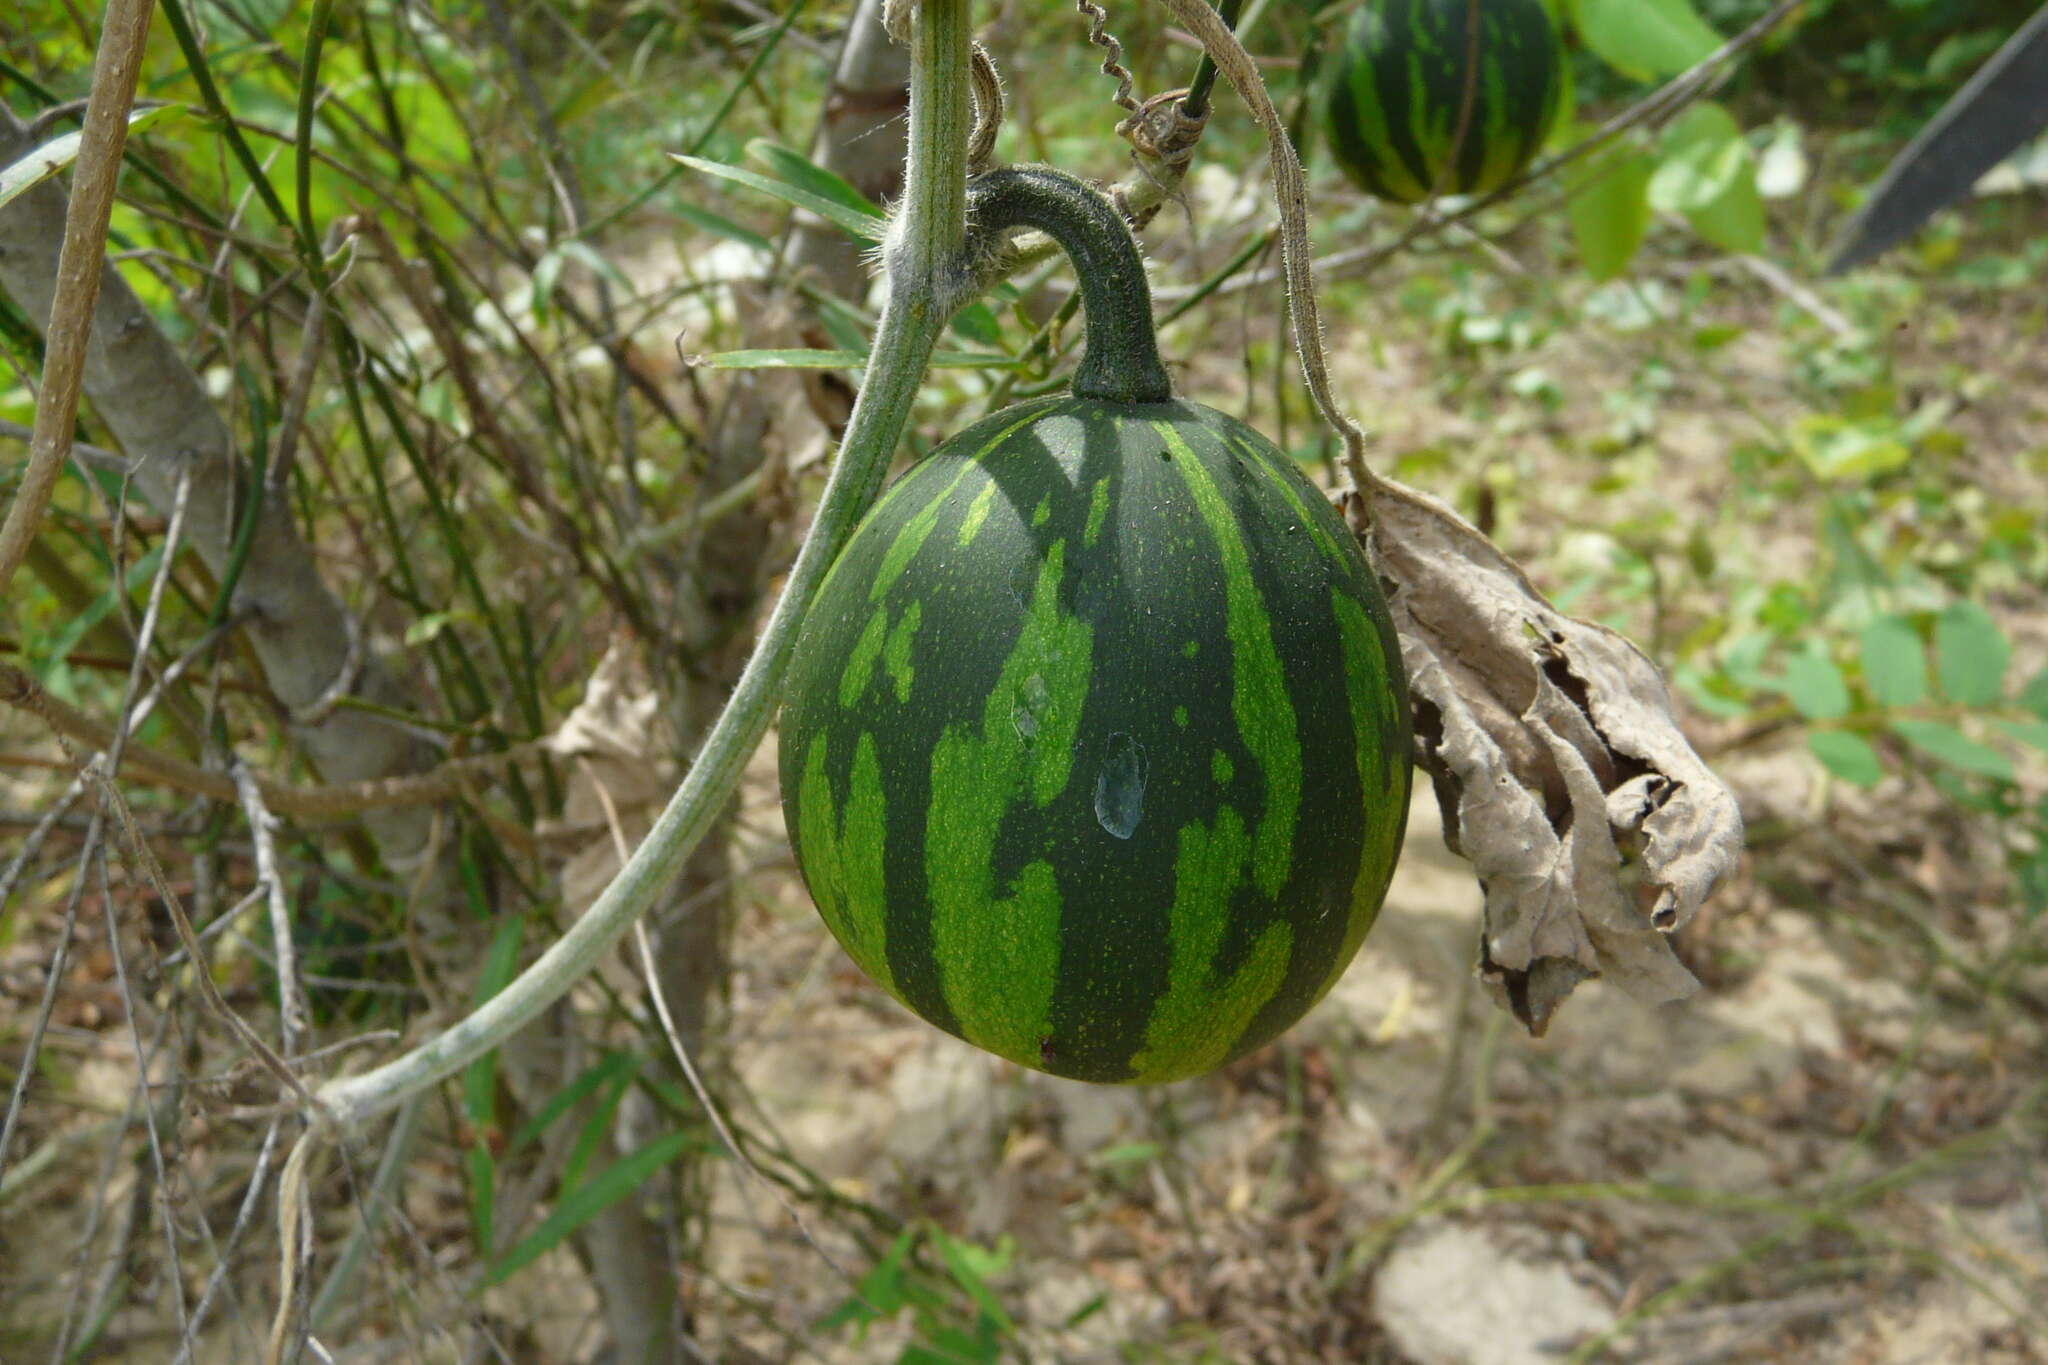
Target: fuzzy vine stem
<point>1121,363</point>
<point>1290,192</point>
<point>927,282</point>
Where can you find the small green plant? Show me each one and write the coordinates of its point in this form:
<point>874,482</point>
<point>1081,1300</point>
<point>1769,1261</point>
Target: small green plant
<point>942,1283</point>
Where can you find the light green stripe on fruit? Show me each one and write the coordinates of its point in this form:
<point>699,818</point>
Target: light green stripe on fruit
<point>1098,508</point>
<point>918,528</point>
<point>998,955</point>
<point>977,513</point>
<point>1258,695</point>
<point>1196,1023</point>
<point>1057,649</point>
<point>896,653</point>
<point>860,665</point>
<point>843,863</point>
<point>912,536</point>
<point>1371,701</point>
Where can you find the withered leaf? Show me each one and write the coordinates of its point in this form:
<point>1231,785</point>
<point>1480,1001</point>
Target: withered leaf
<point>621,770</point>
<point>1592,825</point>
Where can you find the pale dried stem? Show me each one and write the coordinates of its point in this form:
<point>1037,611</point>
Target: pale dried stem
<point>291,997</point>
<point>295,1232</point>
<point>115,741</point>
<point>175,1274</point>
<point>245,1214</point>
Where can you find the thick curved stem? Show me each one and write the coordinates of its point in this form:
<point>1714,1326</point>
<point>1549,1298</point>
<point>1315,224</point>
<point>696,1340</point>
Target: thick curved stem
<point>927,282</point>
<point>1121,363</point>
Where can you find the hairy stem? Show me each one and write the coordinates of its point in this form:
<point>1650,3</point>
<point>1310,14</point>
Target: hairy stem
<point>1122,362</point>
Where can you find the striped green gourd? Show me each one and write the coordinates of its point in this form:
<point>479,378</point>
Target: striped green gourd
<point>1396,97</point>
<point>1095,743</point>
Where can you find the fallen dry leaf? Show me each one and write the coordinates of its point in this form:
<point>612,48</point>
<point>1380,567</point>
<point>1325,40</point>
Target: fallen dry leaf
<point>1592,825</point>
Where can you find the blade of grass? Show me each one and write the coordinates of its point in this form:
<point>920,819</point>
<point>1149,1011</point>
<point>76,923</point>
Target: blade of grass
<point>59,152</point>
<point>589,1199</point>
<point>866,227</point>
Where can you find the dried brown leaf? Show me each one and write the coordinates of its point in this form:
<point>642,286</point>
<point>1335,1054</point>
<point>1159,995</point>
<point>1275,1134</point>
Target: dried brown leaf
<point>1592,825</point>
<point>620,771</point>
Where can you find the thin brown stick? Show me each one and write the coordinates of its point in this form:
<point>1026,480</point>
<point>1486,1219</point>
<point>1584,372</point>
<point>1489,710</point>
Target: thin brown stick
<point>314,802</point>
<point>114,74</point>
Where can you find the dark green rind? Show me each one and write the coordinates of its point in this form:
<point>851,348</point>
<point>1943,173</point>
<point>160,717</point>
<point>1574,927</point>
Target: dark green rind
<point>1396,91</point>
<point>1076,630</point>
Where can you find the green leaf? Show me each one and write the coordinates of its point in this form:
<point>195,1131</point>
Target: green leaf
<point>862,226</point>
<point>845,326</point>
<point>969,1265</point>
<point>2034,732</point>
<point>480,1078</point>
<point>1815,685</point>
<point>502,959</point>
<point>40,163</point>
<point>1841,448</point>
<point>428,627</point>
<point>593,260</point>
<point>1609,213</point>
<point>881,1290</point>
<point>1708,173</point>
<point>483,1193</point>
<point>1704,155</point>
<point>1126,1154</point>
<point>1646,39</point>
<point>2034,696</point>
<point>978,323</point>
<point>720,226</point>
<point>801,171</point>
<point>607,1068</point>
<point>1894,662</point>
<point>589,1199</point>
<point>950,1348</point>
<point>1847,755</point>
<point>1970,655</point>
<point>1735,221</point>
<point>596,1125</point>
<point>1946,744</point>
